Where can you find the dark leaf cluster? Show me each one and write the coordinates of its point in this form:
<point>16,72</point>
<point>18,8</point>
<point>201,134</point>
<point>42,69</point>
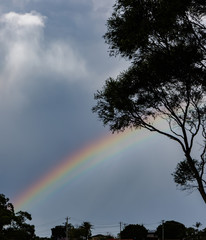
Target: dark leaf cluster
<point>134,231</point>
<point>14,225</point>
<point>184,176</point>
<point>137,24</point>
<point>172,230</point>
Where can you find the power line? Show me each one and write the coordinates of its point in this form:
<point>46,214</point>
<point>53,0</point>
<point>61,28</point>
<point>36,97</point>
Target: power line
<point>100,228</point>
<point>147,224</point>
<point>106,226</point>
<point>50,222</point>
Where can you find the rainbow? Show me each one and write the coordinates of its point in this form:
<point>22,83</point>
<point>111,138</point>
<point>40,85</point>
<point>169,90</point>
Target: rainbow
<point>86,158</point>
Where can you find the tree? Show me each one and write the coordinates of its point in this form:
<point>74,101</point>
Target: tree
<point>172,230</point>
<point>85,229</point>
<point>58,232</point>
<point>20,228</point>
<point>194,233</point>
<point>203,234</point>
<point>166,44</point>
<point>197,230</point>
<point>80,232</point>
<point>14,226</point>
<point>134,231</point>
<point>190,233</point>
<point>6,214</point>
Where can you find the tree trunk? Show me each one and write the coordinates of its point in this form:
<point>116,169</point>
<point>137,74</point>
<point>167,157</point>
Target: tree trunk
<point>201,188</point>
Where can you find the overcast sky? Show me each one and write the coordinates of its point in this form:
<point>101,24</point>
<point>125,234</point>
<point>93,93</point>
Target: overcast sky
<point>52,60</point>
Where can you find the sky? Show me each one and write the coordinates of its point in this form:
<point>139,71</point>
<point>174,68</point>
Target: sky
<point>53,59</point>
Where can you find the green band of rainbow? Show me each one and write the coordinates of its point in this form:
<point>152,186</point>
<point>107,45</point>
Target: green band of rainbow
<point>87,157</point>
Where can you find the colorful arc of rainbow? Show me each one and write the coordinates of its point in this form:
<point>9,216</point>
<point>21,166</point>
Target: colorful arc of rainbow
<point>86,157</point>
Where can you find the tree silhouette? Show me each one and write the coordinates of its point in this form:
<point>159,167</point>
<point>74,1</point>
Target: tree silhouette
<point>166,44</point>
<point>14,225</point>
<point>172,230</point>
<point>134,231</point>
<point>86,230</point>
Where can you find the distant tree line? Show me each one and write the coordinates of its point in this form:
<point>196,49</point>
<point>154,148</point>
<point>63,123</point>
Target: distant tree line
<point>166,230</point>
<point>172,230</point>
<point>15,226</point>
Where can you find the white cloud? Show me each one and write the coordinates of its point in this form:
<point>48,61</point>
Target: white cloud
<point>26,55</point>
<point>27,19</point>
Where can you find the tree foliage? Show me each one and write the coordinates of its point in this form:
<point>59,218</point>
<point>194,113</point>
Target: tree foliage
<point>166,44</point>
<point>80,232</point>
<point>14,225</point>
<point>184,176</point>
<point>85,229</point>
<point>6,212</point>
<point>58,232</point>
<point>172,230</point>
<point>140,26</point>
<point>134,231</point>
<point>190,234</point>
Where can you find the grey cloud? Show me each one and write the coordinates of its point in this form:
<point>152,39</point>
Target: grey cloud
<point>49,73</point>
<point>26,54</point>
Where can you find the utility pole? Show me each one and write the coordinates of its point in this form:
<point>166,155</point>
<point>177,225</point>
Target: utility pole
<point>67,231</point>
<point>120,225</point>
<point>163,231</point>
